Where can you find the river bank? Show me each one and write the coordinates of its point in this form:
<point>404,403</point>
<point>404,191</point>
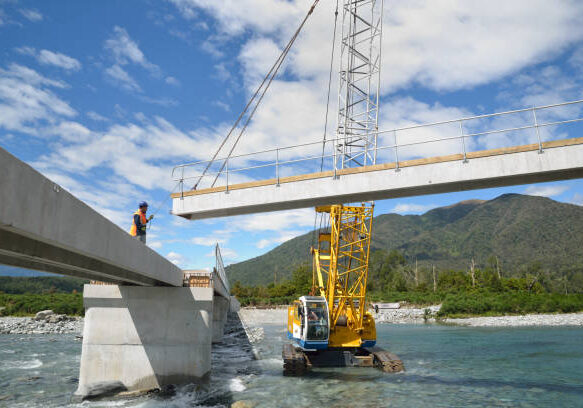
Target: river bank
<point>408,315</point>
<point>28,325</point>
<point>255,317</point>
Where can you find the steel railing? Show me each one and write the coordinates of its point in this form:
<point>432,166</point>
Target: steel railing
<point>276,163</point>
<point>220,268</point>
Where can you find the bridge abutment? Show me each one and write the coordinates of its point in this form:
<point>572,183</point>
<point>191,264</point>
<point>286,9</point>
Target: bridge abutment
<point>142,338</point>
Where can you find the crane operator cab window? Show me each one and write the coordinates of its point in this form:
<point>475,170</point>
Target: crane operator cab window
<point>317,318</point>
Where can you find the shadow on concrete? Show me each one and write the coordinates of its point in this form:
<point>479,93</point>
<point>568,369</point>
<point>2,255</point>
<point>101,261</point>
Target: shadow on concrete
<point>232,360</point>
<point>175,332</point>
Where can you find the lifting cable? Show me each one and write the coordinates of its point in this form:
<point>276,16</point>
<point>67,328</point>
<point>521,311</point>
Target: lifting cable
<point>263,87</point>
<point>326,118</point>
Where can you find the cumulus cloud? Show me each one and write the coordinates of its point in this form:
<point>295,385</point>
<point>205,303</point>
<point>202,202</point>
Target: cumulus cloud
<point>440,44</point>
<point>31,15</point>
<point>284,237</point>
<point>125,50</point>
<point>170,80</point>
<point>27,100</point>
<point>546,190</point>
<point>47,57</point>
<point>407,208</point>
<point>96,116</point>
<point>207,241</point>
<point>120,77</point>
<point>176,258</point>
<point>276,221</point>
<point>57,59</point>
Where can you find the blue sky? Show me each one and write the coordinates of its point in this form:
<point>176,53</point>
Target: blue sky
<point>106,97</point>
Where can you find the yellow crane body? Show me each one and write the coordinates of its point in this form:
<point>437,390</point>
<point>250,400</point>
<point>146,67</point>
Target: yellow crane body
<point>332,326</point>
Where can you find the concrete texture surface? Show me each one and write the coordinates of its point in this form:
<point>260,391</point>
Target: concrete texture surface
<point>145,337</point>
<point>220,310</point>
<point>44,227</point>
<point>559,163</point>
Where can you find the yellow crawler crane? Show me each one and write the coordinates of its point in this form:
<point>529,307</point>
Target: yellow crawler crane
<point>332,327</point>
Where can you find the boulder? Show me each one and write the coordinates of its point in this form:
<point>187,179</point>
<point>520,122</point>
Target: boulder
<point>43,315</point>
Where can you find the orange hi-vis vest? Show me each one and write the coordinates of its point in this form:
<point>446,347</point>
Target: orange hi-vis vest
<point>134,228</point>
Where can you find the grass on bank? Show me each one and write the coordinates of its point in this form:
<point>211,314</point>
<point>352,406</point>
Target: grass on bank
<point>30,304</point>
<point>391,279</point>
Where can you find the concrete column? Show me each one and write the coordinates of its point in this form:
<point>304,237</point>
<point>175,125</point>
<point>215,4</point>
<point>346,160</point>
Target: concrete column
<point>142,338</point>
<point>235,305</point>
<point>220,310</point>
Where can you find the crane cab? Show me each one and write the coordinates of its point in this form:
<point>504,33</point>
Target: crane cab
<point>308,323</point>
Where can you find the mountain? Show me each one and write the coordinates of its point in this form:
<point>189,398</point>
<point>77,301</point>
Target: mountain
<point>520,230</point>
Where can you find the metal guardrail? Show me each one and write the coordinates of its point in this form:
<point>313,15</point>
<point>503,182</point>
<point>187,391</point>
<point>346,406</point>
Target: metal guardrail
<point>220,268</point>
<point>469,128</point>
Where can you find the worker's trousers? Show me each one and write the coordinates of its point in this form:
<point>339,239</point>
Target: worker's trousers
<point>141,238</point>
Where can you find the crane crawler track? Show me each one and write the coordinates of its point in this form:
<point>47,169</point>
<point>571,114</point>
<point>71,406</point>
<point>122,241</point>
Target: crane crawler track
<point>295,362</point>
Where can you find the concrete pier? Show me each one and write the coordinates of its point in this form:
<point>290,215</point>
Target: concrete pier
<point>142,338</point>
<point>220,311</point>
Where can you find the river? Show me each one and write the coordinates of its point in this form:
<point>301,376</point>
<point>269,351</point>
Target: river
<point>446,366</point>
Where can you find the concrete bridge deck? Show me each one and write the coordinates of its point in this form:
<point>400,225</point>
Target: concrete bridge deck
<point>560,160</point>
<point>44,227</point>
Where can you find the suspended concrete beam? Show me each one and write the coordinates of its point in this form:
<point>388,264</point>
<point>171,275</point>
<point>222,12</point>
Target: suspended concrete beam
<point>559,160</point>
<point>43,227</point>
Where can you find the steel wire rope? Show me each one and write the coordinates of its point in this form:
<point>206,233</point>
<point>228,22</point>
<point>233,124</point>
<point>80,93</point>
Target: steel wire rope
<point>326,116</point>
<point>164,202</point>
<point>269,78</point>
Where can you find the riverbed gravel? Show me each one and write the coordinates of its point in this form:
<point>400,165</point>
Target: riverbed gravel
<point>28,325</point>
<point>566,319</point>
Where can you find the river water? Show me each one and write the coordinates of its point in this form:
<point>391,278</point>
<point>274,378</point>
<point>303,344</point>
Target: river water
<point>446,366</point>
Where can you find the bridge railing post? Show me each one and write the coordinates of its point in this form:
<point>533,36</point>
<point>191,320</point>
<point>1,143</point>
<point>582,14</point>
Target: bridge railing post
<point>540,145</point>
<point>396,151</point>
<point>277,166</point>
<point>227,171</point>
<point>463,139</point>
<point>182,184</point>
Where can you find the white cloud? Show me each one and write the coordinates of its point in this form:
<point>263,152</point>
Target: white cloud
<point>27,102</point>
<point>207,241</point>
<point>406,208</point>
<point>96,117</point>
<point>577,199</point>
<point>440,44</point>
<point>155,244</point>
<point>229,255</point>
<point>70,131</point>
<point>47,57</point>
<point>276,221</point>
<point>286,236</point>
<point>176,258</point>
<point>221,72</point>
<point>57,59</point>
<point>32,15</point>
<point>125,51</point>
<point>26,50</point>
<point>120,77</point>
<point>545,190</point>
<point>170,80</point>
<point>222,105</point>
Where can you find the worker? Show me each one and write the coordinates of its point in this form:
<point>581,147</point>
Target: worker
<point>140,221</point>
